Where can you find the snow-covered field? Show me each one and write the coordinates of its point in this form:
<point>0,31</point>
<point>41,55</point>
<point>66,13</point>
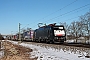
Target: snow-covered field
<point>1,54</point>
<point>49,53</point>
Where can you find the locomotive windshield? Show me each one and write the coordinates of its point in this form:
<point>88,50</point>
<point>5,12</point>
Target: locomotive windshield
<point>59,31</point>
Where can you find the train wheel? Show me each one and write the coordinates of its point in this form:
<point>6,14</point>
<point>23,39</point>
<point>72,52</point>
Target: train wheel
<point>62,41</point>
<point>39,40</point>
<point>47,41</point>
<point>36,40</point>
<point>53,42</point>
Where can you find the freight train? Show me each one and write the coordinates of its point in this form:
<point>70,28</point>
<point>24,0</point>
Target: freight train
<point>49,34</point>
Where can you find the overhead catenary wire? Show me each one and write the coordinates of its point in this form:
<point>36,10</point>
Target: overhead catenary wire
<point>73,13</point>
<point>59,9</point>
<point>67,12</point>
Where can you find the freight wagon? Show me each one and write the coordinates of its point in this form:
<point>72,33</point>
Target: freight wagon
<point>28,35</point>
<point>50,34</point>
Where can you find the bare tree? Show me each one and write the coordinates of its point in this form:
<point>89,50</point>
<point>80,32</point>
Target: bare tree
<point>85,19</point>
<point>79,28</point>
<point>74,29</point>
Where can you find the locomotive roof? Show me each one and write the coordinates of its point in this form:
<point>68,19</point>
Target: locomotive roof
<point>52,26</point>
<point>60,25</point>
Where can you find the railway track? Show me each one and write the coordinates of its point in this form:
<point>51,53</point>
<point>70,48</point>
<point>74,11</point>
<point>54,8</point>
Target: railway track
<point>77,45</point>
<point>68,44</point>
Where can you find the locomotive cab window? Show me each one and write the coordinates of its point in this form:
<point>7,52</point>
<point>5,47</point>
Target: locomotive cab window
<point>59,31</point>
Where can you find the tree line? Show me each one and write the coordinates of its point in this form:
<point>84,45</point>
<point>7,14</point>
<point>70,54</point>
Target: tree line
<point>78,28</point>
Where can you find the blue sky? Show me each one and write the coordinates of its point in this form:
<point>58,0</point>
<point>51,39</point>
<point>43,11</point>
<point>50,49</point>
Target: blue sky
<point>32,12</point>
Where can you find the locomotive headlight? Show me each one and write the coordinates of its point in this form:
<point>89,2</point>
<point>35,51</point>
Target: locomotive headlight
<point>60,27</point>
<point>56,37</point>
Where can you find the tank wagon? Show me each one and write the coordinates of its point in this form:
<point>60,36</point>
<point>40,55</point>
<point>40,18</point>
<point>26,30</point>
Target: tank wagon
<point>50,34</point>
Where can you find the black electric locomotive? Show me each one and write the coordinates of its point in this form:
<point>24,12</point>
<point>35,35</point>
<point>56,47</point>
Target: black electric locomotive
<point>50,34</point>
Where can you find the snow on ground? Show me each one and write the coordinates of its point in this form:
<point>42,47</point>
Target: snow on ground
<point>1,54</point>
<point>1,51</point>
<point>79,41</point>
<point>48,53</point>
